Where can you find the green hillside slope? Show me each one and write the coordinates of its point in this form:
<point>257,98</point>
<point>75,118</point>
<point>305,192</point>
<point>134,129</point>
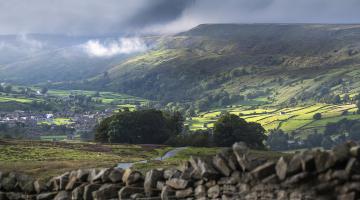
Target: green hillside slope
<point>224,64</point>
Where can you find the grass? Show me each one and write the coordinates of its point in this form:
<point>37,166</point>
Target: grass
<point>57,121</point>
<point>13,99</point>
<point>43,159</point>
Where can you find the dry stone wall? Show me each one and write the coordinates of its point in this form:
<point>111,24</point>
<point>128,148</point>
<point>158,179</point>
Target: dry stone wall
<point>231,174</point>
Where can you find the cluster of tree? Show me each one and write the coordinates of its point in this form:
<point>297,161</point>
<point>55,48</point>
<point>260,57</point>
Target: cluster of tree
<point>6,88</point>
<point>335,133</point>
<point>348,128</point>
<point>143,126</point>
<point>231,128</point>
<point>157,127</point>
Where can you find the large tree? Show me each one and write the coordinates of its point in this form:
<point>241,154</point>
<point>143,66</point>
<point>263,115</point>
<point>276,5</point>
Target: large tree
<point>231,128</point>
<point>139,127</point>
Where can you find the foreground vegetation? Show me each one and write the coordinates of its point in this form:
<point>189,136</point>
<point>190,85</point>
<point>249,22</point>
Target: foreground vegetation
<point>43,159</point>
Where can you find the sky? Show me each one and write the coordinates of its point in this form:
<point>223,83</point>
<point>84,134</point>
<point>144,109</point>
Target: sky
<point>103,17</point>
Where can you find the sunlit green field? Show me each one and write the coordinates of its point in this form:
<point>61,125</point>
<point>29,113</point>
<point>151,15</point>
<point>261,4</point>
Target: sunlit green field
<point>287,119</point>
<point>57,121</point>
<point>17,99</point>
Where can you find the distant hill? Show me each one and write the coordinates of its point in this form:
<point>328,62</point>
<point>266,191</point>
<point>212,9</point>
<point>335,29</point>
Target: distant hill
<point>222,63</point>
<point>219,64</point>
<point>34,58</point>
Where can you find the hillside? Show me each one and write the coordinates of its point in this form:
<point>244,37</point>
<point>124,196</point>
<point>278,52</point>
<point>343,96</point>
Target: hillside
<point>228,63</point>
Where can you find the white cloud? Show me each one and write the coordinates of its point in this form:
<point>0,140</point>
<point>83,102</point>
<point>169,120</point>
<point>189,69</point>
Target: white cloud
<point>97,48</point>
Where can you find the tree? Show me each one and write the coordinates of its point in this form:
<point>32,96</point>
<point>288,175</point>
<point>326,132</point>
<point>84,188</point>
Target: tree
<point>230,128</point>
<point>317,116</point>
<point>277,140</point>
<point>358,106</point>
<point>144,126</point>
<point>354,133</point>
<point>44,90</point>
<point>314,140</point>
<point>8,89</point>
<point>336,99</point>
<point>346,98</point>
<point>327,142</point>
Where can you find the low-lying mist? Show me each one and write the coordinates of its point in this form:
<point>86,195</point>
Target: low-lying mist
<point>126,45</point>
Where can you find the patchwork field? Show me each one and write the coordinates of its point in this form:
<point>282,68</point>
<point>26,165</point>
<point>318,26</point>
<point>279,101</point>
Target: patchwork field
<point>16,100</point>
<point>287,119</point>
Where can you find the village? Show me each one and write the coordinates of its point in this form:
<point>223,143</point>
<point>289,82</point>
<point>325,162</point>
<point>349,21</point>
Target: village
<point>51,126</point>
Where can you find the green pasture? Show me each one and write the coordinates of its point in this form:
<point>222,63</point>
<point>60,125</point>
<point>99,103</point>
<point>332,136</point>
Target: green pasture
<point>288,119</point>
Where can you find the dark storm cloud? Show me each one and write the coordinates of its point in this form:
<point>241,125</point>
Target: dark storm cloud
<point>265,11</point>
<point>114,16</point>
<point>160,11</point>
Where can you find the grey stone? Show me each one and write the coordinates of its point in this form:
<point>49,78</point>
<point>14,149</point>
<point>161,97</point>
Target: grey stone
<point>241,152</point>
<point>323,161</point>
<point>131,177</point>
<point>200,191</point>
<point>206,169</point>
<point>160,185</point>
<point>352,167</point>
<point>115,175</point>
<point>8,183</point>
<point>107,191</point>
<point>229,156</point>
<point>127,191</point>
<point>26,184</point>
<point>137,196</point>
<point>340,175</point>
<point>221,165</point>
<point>78,193</point>
<point>281,168</point>
<point>62,195</point>
<point>229,189</point>
<point>171,173</point>
<point>184,193</point>
<point>308,162</point>
<point>73,183</point>
<point>95,175</point>
<point>349,196</point>
<point>151,179</point>
<point>297,178</point>
<point>177,183</point>
<point>83,175</point>
<point>213,192</point>
<point>167,193</point>
<point>355,152</point>
<point>46,196</point>
<point>264,170</point>
<point>14,196</point>
<point>210,183</point>
<point>112,175</point>
<point>40,186</point>
<point>295,165</point>
<point>89,189</point>
<point>64,180</point>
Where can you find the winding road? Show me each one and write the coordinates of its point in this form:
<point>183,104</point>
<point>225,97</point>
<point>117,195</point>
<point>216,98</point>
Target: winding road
<point>167,155</point>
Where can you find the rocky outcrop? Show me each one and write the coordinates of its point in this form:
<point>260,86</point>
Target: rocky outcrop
<point>232,174</point>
